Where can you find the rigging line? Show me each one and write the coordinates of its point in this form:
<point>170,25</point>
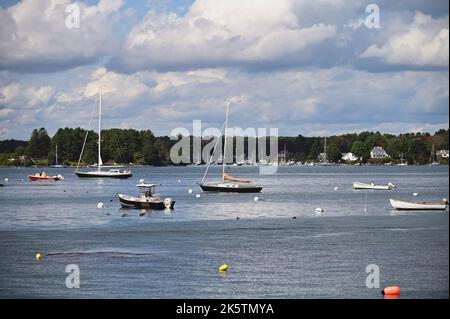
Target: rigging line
<point>85,139</point>
<point>214,151</point>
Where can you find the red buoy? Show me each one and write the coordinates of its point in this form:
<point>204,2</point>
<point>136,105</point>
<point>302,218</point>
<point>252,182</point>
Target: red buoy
<point>391,291</point>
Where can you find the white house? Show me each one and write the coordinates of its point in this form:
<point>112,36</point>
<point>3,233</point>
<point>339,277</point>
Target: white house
<point>442,153</point>
<point>378,152</point>
<point>349,157</point>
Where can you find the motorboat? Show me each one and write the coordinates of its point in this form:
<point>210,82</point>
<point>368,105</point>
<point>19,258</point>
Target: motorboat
<point>358,185</point>
<point>418,205</point>
<point>147,199</point>
<point>44,177</point>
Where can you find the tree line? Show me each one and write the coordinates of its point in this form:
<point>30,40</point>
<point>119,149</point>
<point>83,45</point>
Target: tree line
<point>129,146</point>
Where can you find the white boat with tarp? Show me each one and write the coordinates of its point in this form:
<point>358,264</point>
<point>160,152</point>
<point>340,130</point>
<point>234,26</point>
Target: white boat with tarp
<point>418,205</point>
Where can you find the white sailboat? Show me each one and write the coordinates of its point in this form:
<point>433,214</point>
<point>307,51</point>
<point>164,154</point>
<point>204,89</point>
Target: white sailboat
<point>433,158</point>
<point>56,165</point>
<point>325,159</point>
<point>112,173</point>
<point>228,184</point>
<point>402,163</point>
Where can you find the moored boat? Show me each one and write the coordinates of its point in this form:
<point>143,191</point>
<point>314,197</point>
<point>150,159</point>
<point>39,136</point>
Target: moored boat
<point>147,199</point>
<point>358,185</point>
<point>44,177</point>
<point>418,205</point>
<point>228,184</point>
<point>112,173</point>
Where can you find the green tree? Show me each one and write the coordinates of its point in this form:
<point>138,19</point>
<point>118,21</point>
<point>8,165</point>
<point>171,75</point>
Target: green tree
<point>359,149</point>
<point>39,145</point>
<point>333,153</point>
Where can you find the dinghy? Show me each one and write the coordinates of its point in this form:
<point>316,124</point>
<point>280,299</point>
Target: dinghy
<point>423,205</point>
<point>44,177</point>
<point>358,185</point>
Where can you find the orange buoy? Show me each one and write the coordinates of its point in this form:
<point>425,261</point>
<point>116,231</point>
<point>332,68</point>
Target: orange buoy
<point>391,291</point>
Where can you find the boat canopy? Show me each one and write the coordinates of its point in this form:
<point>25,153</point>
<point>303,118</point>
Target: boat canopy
<point>227,177</point>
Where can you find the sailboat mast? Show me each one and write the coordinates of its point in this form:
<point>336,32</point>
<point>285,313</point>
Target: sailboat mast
<point>56,155</point>
<point>99,129</point>
<point>225,142</point>
<point>325,150</point>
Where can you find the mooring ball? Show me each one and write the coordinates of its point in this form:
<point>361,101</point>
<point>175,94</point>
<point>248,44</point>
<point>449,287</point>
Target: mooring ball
<point>223,268</point>
<point>198,195</point>
<point>190,191</point>
<point>256,198</point>
<point>100,205</point>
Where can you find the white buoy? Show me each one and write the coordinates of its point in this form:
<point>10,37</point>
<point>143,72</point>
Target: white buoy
<point>198,195</point>
<point>100,205</point>
<point>336,188</point>
<point>319,210</point>
<point>256,198</point>
<point>6,180</point>
<point>179,181</point>
<point>190,191</point>
<point>415,194</point>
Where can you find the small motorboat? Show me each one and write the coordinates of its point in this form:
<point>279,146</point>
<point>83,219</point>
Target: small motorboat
<point>358,185</point>
<point>422,205</point>
<point>44,177</point>
<point>147,199</point>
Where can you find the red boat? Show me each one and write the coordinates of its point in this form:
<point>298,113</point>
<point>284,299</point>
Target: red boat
<point>44,177</point>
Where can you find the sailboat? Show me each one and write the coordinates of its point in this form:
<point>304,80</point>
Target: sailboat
<point>228,184</point>
<point>432,157</point>
<point>112,173</point>
<point>325,159</point>
<point>402,163</point>
<point>56,165</point>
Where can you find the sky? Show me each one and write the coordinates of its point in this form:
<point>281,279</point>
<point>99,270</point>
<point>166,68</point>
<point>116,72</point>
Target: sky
<point>313,68</point>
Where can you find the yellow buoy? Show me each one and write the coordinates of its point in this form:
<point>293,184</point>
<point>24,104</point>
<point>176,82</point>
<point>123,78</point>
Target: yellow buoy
<point>38,256</point>
<point>223,268</point>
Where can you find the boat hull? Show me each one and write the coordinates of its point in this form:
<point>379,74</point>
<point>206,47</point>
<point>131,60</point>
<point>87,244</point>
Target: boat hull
<point>137,202</point>
<point>405,205</point>
<point>357,185</point>
<point>100,175</point>
<point>48,178</point>
<point>228,189</point>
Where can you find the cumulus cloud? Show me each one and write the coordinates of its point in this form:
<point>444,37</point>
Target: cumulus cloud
<point>424,43</point>
<point>219,33</point>
<point>35,38</point>
<point>305,102</point>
